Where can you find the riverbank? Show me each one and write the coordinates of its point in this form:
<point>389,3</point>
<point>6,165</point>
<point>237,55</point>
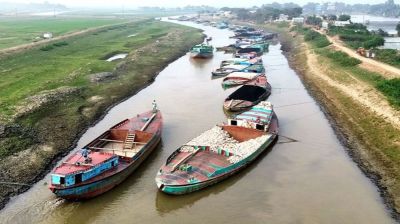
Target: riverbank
<point>54,95</point>
<point>344,94</point>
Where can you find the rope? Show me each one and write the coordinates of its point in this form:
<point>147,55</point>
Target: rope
<point>295,104</point>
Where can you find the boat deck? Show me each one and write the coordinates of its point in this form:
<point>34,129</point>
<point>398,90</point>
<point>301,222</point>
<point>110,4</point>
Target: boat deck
<point>117,149</point>
<point>71,164</point>
<point>203,165</point>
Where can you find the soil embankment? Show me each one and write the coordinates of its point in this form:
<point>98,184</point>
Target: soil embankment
<point>51,122</point>
<point>362,117</point>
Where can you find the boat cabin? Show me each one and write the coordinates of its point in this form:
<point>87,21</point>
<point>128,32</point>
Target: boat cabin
<point>77,168</point>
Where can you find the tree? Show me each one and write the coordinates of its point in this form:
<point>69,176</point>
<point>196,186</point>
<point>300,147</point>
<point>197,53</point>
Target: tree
<point>398,29</point>
<point>332,17</point>
<point>313,20</point>
<point>344,17</point>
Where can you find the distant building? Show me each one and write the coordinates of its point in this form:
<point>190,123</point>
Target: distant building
<point>325,25</point>
<point>47,35</point>
<point>283,17</point>
<point>342,23</point>
<point>298,20</point>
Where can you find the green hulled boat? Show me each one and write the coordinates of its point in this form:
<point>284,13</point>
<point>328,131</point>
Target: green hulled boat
<point>202,51</point>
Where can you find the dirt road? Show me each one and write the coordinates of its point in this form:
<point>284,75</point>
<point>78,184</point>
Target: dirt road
<point>372,65</point>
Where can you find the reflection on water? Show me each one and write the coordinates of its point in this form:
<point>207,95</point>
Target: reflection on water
<point>309,181</point>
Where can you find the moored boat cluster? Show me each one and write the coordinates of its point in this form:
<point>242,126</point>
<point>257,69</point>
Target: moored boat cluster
<point>205,160</point>
<point>227,148</point>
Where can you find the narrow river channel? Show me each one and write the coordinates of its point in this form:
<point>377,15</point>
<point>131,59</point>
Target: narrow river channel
<point>309,181</point>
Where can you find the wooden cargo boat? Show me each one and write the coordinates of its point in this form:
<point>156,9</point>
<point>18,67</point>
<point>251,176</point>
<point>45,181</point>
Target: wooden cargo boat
<point>109,159</point>
<point>241,61</point>
<point>239,78</point>
<point>202,51</point>
<point>225,70</point>
<point>248,95</point>
<point>219,152</point>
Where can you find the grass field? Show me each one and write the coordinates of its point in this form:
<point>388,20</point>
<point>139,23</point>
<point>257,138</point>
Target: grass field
<point>16,31</point>
<point>27,73</point>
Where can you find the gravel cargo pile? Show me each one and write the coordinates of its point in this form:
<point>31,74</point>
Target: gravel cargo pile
<point>218,140</point>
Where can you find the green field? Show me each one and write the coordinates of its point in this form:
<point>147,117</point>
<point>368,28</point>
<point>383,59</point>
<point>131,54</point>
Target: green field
<point>27,73</point>
<point>16,31</point>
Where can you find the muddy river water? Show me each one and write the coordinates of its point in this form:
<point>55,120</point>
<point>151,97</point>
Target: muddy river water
<point>309,181</point>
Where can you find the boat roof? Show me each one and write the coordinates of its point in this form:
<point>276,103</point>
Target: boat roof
<point>76,162</point>
<point>261,112</point>
<point>246,75</point>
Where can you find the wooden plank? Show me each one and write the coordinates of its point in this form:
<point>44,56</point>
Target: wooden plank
<point>110,140</point>
<point>148,122</point>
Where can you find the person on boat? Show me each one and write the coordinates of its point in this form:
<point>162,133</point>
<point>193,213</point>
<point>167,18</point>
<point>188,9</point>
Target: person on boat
<point>155,109</point>
<point>85,153</point>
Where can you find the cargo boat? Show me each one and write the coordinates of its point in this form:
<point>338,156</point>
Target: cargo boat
<point>248,95</point>
<point>239,78</point>
<point>202,51</point>
<point>219,152</point>
<point>109,159</point>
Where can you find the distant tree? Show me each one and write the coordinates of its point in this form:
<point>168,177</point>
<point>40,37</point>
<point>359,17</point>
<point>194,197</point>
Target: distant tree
<point>344,17</point>
<point>313,20</point>
<point>398,29</point>
<point>382,33</point>
<point>292,12</point>
<point>243,14</point>
<point>332,17</point>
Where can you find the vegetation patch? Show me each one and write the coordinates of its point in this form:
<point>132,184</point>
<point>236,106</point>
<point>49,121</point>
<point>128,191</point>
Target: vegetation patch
<point>389,56</point>
<point>47,48</point>
<point>339,57</point>
<point>391,89</point>
<point>357,35</point>
<point>316,39</point>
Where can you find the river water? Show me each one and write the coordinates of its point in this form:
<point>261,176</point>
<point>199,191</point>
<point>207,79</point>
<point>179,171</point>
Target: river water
<point>309,181</point>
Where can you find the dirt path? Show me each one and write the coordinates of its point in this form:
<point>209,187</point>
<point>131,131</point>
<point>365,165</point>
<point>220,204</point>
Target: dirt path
<point>28,46</point>
<point>357,90</point>
<point>386,70</point>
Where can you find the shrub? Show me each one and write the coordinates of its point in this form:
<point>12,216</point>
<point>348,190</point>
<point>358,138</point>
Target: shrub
<point>391,89</point>
<point>47,48</point>
<point>339,57</point>
<point>60,44</point>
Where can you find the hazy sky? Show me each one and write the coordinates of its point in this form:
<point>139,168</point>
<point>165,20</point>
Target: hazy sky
<point>175,3</point>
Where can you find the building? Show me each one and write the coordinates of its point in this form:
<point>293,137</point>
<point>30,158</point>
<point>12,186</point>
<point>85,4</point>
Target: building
<point>298,20</point>
<point>47,35</point>
<point>283,17</point>
<point>342,23</point>
<point>325,25</point>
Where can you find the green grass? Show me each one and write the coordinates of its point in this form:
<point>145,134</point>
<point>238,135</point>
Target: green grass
<point>68,64</point>
<point>16,31</point>
<point>338,57</point>
<point>316,39</point>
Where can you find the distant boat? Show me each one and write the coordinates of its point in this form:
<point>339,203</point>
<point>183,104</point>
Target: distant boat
<point>227,69</point>
<point>248,95</point>
<point>219,152</point>
<point>238,78</point>
<point>202,51</point>
<point>109,159</point>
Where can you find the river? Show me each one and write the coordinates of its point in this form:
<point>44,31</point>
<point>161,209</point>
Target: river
<point>309,181</point>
